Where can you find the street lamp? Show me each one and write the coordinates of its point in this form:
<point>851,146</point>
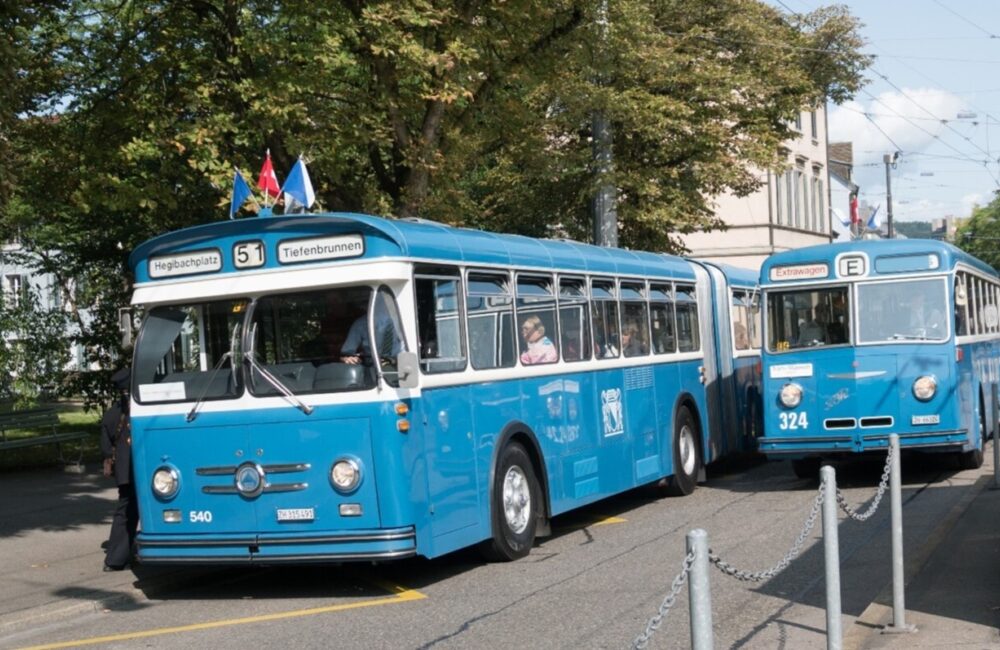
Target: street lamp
<point>889,160</point>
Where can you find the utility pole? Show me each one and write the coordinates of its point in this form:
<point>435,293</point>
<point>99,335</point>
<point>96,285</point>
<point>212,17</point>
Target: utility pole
<point>603,206</point>
<point>890,161</point>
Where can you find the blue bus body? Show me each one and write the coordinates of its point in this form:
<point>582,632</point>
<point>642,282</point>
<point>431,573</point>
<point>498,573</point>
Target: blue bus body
<point>871,338</point>
<point>252,443</point>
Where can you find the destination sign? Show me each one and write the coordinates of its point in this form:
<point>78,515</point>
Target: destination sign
<point>315,249</point>
<point>800,272</point>
<point>192,262</point>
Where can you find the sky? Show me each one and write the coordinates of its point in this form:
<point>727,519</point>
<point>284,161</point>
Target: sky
<point>933,95</point>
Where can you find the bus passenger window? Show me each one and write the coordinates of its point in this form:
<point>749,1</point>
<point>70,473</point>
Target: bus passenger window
<point>604,308</point>
<point>490,314</point>
<point>661,311</point>
<point>536,312</point>
<point>440,334</point>
<point>687,319</point>
<point>635,333</point>
<point>574,320</point>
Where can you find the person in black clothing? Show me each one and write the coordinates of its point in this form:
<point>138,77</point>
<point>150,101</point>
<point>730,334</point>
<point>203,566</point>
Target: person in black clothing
<point>116,447</point>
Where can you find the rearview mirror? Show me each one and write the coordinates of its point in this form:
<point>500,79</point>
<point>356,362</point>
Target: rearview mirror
<point>407,367</point>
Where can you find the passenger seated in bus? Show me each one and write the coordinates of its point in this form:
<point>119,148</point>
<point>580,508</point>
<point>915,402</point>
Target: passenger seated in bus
<point>924,320</point>
<point>632,343</point>
<point>538,348</point>
<point>814,331</point>
<point>357,348</point>
<point>740,339</point>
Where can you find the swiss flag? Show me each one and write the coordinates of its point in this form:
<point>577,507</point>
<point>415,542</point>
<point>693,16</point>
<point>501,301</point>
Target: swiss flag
<point>267,181</point>
<point>855,219</point>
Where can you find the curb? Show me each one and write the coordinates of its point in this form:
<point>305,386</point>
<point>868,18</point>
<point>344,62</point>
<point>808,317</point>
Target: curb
<point>877,614</point>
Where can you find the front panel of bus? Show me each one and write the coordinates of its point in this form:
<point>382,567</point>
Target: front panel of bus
<point>849,361</point>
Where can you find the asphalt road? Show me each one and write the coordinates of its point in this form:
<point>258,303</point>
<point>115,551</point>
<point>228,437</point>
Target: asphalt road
<point>594,584</point>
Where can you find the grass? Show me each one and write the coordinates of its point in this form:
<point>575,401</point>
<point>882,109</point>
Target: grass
<point>72,417</point>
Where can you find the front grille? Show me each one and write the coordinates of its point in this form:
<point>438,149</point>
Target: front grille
<point>230,471</point>
<point>874,422</point>
<point>840,423</point>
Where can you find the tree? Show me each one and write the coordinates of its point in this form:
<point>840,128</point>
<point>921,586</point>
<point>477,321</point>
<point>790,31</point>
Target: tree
<point>472,113</point>
<point>980,233</point>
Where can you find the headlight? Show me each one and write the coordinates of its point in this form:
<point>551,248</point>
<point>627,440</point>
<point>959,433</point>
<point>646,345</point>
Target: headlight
<point>165,482</point>
<point>791,395</point>
<point>924,388</point>
<point>345,475</point>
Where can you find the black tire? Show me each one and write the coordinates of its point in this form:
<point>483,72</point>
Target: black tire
<point>514,507</point>
<point>687,455</point>
<point>806,468</point>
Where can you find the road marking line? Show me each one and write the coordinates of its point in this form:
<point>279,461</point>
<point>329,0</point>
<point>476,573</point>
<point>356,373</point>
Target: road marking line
<point>401,594</point>
<point>610,520</point>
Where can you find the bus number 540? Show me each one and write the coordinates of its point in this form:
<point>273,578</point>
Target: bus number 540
<point>793,421</point>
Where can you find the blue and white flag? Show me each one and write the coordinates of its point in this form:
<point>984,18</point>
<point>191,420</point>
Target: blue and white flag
<point>844,220</point>
<point>298,189</point>
<point>241,192</point>
<point>873,223</point>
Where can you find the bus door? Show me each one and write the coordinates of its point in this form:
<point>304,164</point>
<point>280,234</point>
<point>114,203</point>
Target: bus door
<point>613,431</point>
<point>447,423</point>
<point>639,385</point>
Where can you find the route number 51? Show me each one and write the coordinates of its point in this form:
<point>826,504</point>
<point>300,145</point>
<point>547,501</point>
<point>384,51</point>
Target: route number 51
<point>248,254</point>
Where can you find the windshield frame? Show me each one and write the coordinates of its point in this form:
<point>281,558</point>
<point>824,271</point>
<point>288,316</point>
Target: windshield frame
<point>848,327</point>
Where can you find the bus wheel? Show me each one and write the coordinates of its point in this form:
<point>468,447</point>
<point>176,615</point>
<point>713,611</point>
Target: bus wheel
<point>687,459</point>
<point>806,468</point>
<point>514,512</point>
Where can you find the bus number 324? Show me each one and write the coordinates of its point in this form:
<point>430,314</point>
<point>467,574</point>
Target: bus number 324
<point>793,421</point>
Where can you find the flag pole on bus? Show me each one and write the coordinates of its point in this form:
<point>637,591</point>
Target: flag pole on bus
<point>267,181</point>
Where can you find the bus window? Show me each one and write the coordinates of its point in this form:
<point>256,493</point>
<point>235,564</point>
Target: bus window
<point>635,319</point>
<point>311,342</point>
<point>961,304</point>
<point>574,320</point>
<point>755,324</point>
<point>186,352</point>
<point>902,311</point>
<point>661,311</point>
<point>740,313</point>
<point>490,313</point>
<point>807,317</point>
<point>687,319</point>
<point>438,324</point>
<point>389,339</point>
<point>536,313</point>
<point>604,308</point>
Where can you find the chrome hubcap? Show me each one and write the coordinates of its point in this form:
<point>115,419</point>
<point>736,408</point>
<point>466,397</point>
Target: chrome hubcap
<point>516,499</point>
<point>686,446</point>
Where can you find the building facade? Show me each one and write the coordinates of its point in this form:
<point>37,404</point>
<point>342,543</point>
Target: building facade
<point>790,210</point>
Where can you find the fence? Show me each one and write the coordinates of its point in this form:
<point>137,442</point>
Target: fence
<point>696,564</point>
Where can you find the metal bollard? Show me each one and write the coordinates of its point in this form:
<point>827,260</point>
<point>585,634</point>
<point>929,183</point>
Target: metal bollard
<point>896,502</point>
<point>699,591</point>
<point>831,554</point>
<point>996,433</point>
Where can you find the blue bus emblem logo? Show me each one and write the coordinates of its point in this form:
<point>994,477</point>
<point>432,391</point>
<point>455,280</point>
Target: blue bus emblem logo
<point>611,409</point>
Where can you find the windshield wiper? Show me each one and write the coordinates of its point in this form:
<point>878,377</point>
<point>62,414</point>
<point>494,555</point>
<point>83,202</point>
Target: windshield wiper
<point>193,413</point>
<point>280,387</point>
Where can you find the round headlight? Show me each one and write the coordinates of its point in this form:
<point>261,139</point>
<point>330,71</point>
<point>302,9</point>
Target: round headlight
<point>924,388</point>
<point>791,395</point>
<point>165,482</point>
<point>345,475</point>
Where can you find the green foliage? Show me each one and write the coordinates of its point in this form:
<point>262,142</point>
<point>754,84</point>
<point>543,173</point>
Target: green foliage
<point>130,116</point>
<point>980,235</point>
<point>914,229</point>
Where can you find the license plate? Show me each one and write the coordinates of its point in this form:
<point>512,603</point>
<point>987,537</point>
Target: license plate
<point>296,514</point>
<point>925,419</point>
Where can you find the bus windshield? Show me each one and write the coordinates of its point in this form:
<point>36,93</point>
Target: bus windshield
<point>186,352</point>
<point>807,318</point>
<point>911,310</point>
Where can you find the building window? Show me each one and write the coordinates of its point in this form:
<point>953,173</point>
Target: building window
<point>821,202</point>
<point>789,199</point>
<point>15,290</point>
<point>798,122</point>
<point>814,125</point>
<point>778,196</point>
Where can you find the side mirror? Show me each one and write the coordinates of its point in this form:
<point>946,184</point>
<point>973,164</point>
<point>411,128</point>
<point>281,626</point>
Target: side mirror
<point>125,326</point>
<point>961,297</point>
<point>408,368</point>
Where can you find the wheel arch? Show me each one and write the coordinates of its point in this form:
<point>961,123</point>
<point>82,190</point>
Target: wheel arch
<point>517,431</point>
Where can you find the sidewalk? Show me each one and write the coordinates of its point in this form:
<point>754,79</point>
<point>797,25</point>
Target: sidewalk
<point>952,586</point>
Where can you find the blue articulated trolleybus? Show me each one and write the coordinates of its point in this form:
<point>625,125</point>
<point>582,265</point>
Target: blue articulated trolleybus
<point>869,338</point>
<point>336,387</point>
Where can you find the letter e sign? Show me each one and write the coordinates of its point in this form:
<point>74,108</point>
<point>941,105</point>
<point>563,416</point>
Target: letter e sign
<point>852,265</point>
